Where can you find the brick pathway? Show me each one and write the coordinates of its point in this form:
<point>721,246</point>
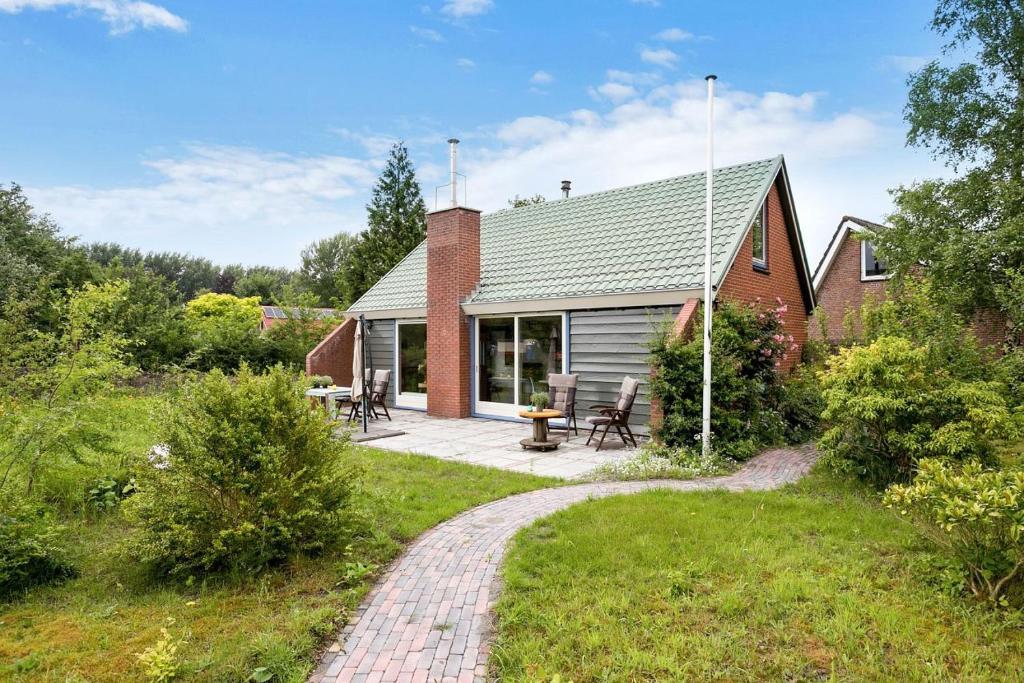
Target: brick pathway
<point>429,617</point>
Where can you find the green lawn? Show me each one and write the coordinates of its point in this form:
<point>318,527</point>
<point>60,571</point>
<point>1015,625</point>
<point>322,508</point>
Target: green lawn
<point>90,628</point>
<point>815,582</point>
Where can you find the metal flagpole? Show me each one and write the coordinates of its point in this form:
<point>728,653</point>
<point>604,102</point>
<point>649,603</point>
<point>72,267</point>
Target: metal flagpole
<point>708,295</point>
<point>364,399</point>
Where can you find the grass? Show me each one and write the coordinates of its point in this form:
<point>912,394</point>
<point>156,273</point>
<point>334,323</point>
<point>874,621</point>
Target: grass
<point>814,582</point>
<point>91,628</point>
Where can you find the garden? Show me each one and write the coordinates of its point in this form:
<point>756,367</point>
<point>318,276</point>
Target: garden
<point>173,508</point>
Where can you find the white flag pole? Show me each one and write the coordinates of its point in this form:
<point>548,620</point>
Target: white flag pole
<point>708,295</point>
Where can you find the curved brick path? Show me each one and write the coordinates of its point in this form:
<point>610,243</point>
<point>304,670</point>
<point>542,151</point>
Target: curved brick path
<point>428,617</point>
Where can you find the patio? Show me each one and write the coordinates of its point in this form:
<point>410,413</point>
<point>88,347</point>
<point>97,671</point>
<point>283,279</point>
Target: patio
<point>492,443</point>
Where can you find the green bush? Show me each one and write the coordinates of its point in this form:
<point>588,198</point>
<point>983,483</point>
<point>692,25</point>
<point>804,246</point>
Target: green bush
<point>800,405</point>
<point>891,403</point>
<point>748,346</point>
<point>976,513</point>
<point>224,331</point>
<point>251,477</point>
<point>30,547</point>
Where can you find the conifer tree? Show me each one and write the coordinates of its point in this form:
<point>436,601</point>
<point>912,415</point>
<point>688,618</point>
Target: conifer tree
<point>397,223</point>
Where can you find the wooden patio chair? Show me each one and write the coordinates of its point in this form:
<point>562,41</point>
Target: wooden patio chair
<point>617,415</point>
<point>562,392</point>
<point>377,384</point>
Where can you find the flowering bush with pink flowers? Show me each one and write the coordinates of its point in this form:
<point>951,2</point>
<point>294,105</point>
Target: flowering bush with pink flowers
<point>749,346</point>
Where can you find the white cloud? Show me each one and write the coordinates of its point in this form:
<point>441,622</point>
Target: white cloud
<point>427,34</point>
<point>541,78</point>
<point>633,77</point>
<point>839,162</point>
<point>122,16</point>
<point>660,57</point>
<point>906,63</point>
<point>228,203</point>
<point>674,35</point>
<point>531,129</point>
<point>465,63</point>
<point>648,3</point>
<point>616,92</point>
<point>458,9</point>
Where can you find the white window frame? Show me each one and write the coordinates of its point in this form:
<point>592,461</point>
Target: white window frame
<point>864,277</point>
<point>415,400</point>
<point>489,408</point>
<point>761,262</point>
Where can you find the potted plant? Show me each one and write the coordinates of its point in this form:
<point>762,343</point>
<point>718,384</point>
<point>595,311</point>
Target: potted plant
<point>539,401</point>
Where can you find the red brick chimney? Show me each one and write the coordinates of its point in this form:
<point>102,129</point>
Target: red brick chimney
<point>453,272</point>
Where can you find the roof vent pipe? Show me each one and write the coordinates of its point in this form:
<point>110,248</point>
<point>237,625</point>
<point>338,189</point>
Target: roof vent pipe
<point>452,143</point>
<point>566,184</point>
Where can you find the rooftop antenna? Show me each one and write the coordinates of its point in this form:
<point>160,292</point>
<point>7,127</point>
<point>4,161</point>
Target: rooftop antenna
<point>708,221</point>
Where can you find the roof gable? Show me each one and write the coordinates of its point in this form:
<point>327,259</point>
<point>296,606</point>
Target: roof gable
<point>637,239</point>
<point>847,224</point>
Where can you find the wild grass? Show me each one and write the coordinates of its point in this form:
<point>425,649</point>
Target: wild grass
<point>814,582</point>
<point>92,628</point>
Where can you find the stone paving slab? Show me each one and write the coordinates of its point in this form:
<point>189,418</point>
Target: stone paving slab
<point>493,443</point>
<point>428,619</point>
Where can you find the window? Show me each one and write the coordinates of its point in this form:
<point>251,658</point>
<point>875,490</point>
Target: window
<point>412,365</point>
<point>872,267</point>
<point>759,230</point>
<point>514,356</point>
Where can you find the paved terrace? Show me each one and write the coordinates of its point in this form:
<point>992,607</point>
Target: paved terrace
<point>494,443</point>
<point>429,617</point>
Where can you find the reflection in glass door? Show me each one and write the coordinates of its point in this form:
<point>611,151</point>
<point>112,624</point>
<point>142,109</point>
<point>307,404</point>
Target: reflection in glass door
<point>412,365</point>
<point>496,362</point>
<point>515,355</point>
<point>540,353</point>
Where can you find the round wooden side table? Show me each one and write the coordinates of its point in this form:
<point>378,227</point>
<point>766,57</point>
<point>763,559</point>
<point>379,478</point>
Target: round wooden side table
<point>540,440</point>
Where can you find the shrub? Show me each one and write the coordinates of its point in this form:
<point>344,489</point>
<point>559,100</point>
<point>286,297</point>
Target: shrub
<point>251,476</point>
<point>975,512</point>
<point>30,547</point>
<point>800,405</point>
<point>748,346</point>
<point>224,331</point>
<point>891,403</point>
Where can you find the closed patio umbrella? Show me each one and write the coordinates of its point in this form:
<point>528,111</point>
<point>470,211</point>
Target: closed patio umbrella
<point>358,369</point>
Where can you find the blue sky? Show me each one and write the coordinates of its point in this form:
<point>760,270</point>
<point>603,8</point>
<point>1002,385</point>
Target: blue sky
<point>242,131</point>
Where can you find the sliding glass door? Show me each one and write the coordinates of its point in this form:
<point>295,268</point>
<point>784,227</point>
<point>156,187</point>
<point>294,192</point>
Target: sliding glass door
<point>515,355</point>
<point>412,365</point>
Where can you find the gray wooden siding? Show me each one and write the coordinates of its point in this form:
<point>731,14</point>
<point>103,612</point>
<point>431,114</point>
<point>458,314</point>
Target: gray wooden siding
<point>607,345</point>
<point>381,348</point>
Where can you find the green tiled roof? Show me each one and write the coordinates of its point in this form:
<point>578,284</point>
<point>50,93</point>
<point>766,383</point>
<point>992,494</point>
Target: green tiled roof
<point>641,238</point>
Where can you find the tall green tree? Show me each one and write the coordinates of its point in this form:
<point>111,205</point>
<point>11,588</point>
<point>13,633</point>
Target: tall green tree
<point>397,220</point>
<point>324,268</point>
<point>35,258</point>
<point>969,231</point>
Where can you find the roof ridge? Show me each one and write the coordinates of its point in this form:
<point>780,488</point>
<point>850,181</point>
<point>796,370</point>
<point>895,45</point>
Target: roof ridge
<point>623,188</point>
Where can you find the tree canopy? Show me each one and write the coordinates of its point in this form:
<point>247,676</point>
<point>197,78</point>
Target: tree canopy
<point>397,220</point>
<point>968,232</point>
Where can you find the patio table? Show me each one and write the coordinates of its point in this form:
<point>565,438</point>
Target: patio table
<point>328,396</point>
<point>540,441</point>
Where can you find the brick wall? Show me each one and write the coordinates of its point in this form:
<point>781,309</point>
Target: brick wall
<point>333,355</point>
<point>842,290</point>
<point>453,271</point>
<point>744,283</point>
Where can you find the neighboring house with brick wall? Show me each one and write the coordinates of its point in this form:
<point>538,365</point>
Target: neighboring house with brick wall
<point>275,315</point>
<point>473,320</point>
<point>849,273</point>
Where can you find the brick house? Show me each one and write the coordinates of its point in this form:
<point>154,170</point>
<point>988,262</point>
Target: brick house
<point>488,305</point>
<point>848,274</point>
<point>275,315</point>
